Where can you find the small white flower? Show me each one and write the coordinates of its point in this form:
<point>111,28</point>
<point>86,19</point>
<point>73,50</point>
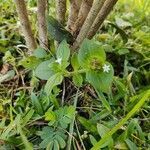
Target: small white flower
<point>59,60</point>
<point>106,68</point>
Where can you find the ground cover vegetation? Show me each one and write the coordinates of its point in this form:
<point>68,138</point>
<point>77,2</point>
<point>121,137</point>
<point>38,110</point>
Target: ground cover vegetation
<point>74,74</point>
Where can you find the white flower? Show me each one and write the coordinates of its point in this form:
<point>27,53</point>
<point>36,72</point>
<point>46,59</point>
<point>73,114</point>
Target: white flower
<point>106,68</point>
<point>59,60</point>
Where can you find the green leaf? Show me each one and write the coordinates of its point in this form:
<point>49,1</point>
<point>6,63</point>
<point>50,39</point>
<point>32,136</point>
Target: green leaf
<point>43,70</point>
<point>8,57</point>
<point>52,82</point>
<point>3,49</point>
<point>57,31</point>
<point>88,124</point>
<point>122,23</point>
<point>92,140</point>
<point>101,81</point>
<point>123,51</point>
<point>120,145</point>
<point>140,132</point>
<point>120,86</point>
<point>61,117</point>
<point>104,101</point>
<point>40,53</point>
<point>70,111</point>
<point>65,116</point>
<point>74,62</point>
<point>50,116</point>
<point>131,127</point>
<point>25,141</point>
<point>50,146</point>
<point>61,141</point>
<point>51,137</point>
<point>123,121</point>
<point>100,115</point>
<point>9,75</point>
<point>121,32</point>
<point>91,55</point>
<point>27,117</point>
<point>77,80</point>
<point>30,62</point>
<point>37,104</point>
<point>63,51</point>
<point>56,145</point>
<point>102,130</point>
<point>131,145</point>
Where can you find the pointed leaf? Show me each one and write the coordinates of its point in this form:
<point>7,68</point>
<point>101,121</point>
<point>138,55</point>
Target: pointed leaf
<point>63,51</point>
<point>40,53</point>
<point>57,31</point>
<point>74,61</point>
<point>52,82</point>
<point>43,70</point>
<point>131,145</point>
<point>77,80</point>
<point>36,104</point>
<point>102,130</point>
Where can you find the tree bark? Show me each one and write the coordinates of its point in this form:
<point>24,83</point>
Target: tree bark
<point>103,13</point>
<point>73,13</point>
<point>61,10</point>
<point>25,24</point>
<point>83,12</point>
<point>42,28</point>
<point>97,5</point>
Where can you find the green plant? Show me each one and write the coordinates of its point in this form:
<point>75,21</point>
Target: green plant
<point>58,98</point>
<point>91,61</point>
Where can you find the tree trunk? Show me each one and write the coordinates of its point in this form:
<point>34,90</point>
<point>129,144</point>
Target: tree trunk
<point>25,24</point>
<point>103,13</point>
<point>42,28</point>
<point>83,12</point>
<point>61,10</point>
<point>97,5</point>
<point>73,13</point>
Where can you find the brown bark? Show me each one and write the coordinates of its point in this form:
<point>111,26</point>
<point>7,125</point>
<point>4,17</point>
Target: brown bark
<point>73,13</point>
<point>103,13</point>
<point>83,12</point>
<point>25,24</point>
<point>61,10</point>
<point>42,28</point>
<point>97,5</point>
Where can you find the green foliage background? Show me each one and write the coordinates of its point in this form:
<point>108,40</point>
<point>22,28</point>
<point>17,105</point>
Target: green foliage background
<point>115,116</point>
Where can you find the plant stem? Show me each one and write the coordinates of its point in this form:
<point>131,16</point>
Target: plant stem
<point>83,12</point>
<point>42,28</point>
<point>97,5</point>
<point>73,13</point>
<point>103,13</point>
<point>72,123</point>
<point>61,10</point>
<point>25,24</point>
<point>68,74</point>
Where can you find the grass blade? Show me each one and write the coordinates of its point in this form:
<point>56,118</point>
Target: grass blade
<point>123,121</point>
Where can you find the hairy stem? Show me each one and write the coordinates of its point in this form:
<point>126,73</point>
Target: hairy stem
<point>42,28</point>
<point>25,24</point>
<point>61,10</point>
<point>103,13</point>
